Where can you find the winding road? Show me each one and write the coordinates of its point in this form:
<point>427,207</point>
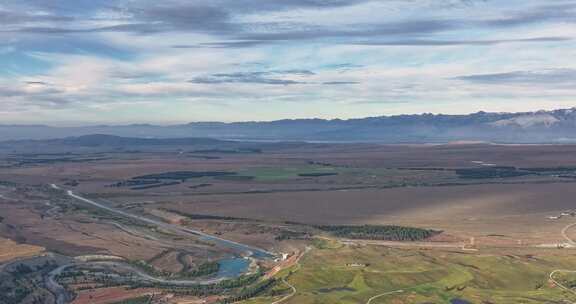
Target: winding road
<point>551,276</point>
<point>235,246</point>
<point>560,285</point>
<point>565,234</point>
<point>294,290</point>
<point>383,294</point>
<point>287,296</point>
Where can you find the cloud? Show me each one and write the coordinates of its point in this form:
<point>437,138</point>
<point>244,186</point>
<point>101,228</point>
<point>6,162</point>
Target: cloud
<point>221,44</point>
<point>41,83</point>
<point>429,42</point>
<point>226,20</point>
<point>391,29</point>
<point>253,77</point>
<point>340,82</point>
<point>12,17</point>
<point>547,76</point>
<point>341,56</point>
<point>564,12</point>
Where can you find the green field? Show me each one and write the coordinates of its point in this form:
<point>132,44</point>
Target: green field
<point>351,175</point>
<point>426,276</point>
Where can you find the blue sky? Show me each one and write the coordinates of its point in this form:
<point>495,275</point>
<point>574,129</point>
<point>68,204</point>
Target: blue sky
<point>70,62</point>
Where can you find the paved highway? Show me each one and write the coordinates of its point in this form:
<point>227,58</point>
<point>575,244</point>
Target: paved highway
<point>235,246</point>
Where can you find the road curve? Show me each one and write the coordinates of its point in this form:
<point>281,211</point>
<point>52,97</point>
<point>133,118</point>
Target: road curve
<point>235,246</point>
<point>560,285</point>
<point>565,234</point>
<point>383,294</point>
<point>551,276</point>
<point>294,290</point>
<point>287,296</point>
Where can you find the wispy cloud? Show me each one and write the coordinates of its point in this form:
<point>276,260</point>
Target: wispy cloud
<point>429,42</point>
<point>340,82</point>
<point>547,76</point>
<point>187,59</point>
<point>261,77</point>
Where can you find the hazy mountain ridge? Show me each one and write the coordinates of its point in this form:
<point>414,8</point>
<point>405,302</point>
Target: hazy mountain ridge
<point>558,126</point>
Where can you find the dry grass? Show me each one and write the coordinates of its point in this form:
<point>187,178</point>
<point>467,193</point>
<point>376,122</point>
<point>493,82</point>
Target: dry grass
<point>10,250</point>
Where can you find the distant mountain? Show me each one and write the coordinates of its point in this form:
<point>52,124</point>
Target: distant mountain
<point>111,140</point>
<point>558,126</point>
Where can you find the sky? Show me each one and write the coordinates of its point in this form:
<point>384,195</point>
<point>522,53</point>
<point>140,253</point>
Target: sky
<point>74,62</point>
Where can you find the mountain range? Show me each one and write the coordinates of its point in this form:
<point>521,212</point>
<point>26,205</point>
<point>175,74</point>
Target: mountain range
<point>557,126</point>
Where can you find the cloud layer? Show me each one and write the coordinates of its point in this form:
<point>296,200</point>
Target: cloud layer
<point>123,61</point>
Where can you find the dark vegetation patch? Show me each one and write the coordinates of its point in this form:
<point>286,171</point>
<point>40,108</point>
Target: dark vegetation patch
<point>284,235</point>
<point>459,301</point>
<point>155,186</point>
<point>384,233</point>
<point>250,292</point>
<point>550,169</point>
<point>205,157</point>
<point>35,160</point>
<point>230,151</point>
<point>235,177</point>
<point>201,270</point>
<point>503,171</point>
<point>507,171</point>
<point>20,282</point>
<point>183,175</point>
<point>132,183</point>
<point>204,216</point>
<point>422,169</point>
<point>238,288</point>
<point>72,183</point>
<point>336,289</point>
<point>7,183</point>
<point>137,300</point>
<point>157,180</point>
<point>199,186</point>
<point>319,174</point>
<point>491,172</point>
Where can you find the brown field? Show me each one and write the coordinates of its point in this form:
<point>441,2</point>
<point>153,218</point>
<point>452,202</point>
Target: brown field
<point>10,250</point>
<point>371,187</point>
<point>110,295</point>
<point>513,211</point>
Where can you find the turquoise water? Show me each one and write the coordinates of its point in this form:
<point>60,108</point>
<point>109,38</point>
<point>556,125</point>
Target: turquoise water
<point>233,267</point>
<point>237,247</point>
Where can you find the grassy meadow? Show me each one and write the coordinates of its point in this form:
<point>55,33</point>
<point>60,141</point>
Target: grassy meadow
<point>353,274</point>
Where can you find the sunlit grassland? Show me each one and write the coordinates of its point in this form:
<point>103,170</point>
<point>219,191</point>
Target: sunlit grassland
<point>425,276</point>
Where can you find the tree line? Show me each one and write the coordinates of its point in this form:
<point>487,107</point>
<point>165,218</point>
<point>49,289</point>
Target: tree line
<point>377,232</point>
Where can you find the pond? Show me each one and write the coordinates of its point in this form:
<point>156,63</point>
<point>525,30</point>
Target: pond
<point>233,267</point>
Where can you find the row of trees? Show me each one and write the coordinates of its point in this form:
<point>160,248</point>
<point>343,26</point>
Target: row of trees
<point>219,288</point>
<point>375,232</point>
<point>203,269</point>
<point>249,292</point>
<point>490,172</point>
